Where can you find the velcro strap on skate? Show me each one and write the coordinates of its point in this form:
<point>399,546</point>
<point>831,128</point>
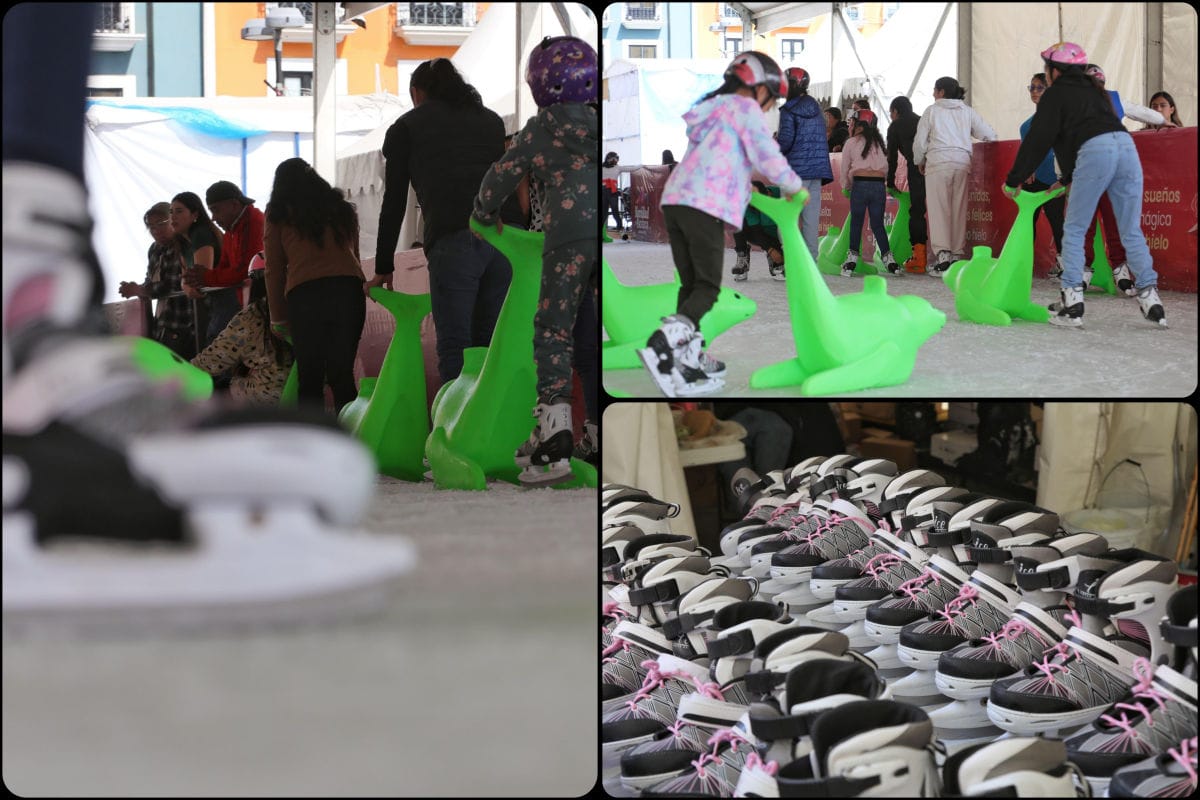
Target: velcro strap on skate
<point>685,623</point>
<point>989,555</point>
<point>942,538</point>
<point>661,592</point>
<point>763,682</point>
<point>827,484</point>
<point>1105,608</point>
<point>1029,579</point>
<point>776,729</point>
<point>683,648</point>
<point>731,644</point>
<point>894,504</point>
<point>1180,635</point>
<point>826,787</point>
<point>915,521</point>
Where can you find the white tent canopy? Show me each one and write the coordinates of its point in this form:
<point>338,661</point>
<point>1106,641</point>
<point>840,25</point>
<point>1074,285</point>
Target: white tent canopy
<point>144,150</point>
<point>489,61</point>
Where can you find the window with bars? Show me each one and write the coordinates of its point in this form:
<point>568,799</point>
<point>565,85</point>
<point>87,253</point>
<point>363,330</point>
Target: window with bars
<point>451,14</point>
<point>304,8</point>
<point>641,11</point>
<point>114,18</point>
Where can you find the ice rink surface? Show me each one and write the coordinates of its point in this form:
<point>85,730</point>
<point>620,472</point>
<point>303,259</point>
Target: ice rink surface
<point>478,679</point>
<point>1116,354</point>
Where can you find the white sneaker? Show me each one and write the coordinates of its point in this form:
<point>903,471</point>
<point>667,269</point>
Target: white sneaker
<point>1151,305</point>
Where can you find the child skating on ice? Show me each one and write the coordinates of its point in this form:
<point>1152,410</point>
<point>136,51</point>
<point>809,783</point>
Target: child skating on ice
<point>557,148</point>
<point>728,141</point>
<point>864,178</point>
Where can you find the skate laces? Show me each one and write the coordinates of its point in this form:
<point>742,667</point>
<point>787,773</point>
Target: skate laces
<point>1049,666</point>
<point>709,689</point>
<point>1143,670</point>
<point>613,610</point>
<point>754,761</point>
<point>967,595</point>
<point>920,584</point>
<point>1185,756</point>
<point>654,678</point>
<point>617,645</point>
<point>1012,630</point>
<point>881,563</point>
<point>715,741</point>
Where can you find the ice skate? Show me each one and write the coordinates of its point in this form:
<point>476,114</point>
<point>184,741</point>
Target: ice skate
<point>775,264</point>
<point>1151,305</point>
<point>588,448</point>
<point>672,356</point>
<point>1124,280</point>
<point>850,265</point>
<point>741,268</point>
<point>1069,311</point>
<point>1057,269</point>
<point>550,461</point>
<point>1017,767</point>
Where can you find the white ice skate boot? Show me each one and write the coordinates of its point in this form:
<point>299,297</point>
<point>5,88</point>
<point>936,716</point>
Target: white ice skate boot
<point>550,461</point>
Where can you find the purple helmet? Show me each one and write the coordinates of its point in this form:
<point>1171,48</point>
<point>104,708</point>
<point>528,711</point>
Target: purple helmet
<point>562,69</point>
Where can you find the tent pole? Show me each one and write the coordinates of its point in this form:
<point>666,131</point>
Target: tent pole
<point>324,92</point>
<point>1154,48</point>
<point>929,50</point>
<point>965,49</point>
<point>835,86</point>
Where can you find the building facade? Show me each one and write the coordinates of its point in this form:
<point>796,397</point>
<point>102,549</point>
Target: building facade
<point>648,30</point>
<point>197,49</point>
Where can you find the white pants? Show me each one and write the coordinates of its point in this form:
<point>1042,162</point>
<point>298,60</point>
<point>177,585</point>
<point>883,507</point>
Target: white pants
<point>946,207</point>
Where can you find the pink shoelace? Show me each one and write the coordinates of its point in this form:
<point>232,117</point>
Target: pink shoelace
<point>879,564</point>
<point>654,678</point>
<point>1185,756</point>
<point>1143,670</point>
<point>613,611</point>
<point>1048,667</point>
<point>754,761</point>
<point>618,644</point>
<point>968,595</point>
<point>715,741</point>
<point>920,584</point>
<point>1011,631</point>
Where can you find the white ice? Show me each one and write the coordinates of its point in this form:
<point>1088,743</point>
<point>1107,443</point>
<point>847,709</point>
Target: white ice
<point>478,680</point>
<point>1116,353</point>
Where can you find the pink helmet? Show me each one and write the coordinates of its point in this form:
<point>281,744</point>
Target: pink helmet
<point>754,68</point>
<point>1066,54</point>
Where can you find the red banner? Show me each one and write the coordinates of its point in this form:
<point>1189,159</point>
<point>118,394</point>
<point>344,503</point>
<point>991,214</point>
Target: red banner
<point>1169,198</point>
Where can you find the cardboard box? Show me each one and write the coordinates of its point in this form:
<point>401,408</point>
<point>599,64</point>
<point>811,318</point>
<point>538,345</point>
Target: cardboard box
<point>884,413</point>
<point>877,433</point>
<point>901,451</point>
<point>851,428</point>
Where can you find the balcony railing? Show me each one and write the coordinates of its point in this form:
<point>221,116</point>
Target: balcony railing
<point>113,18</point>
<point>304,8</point>
<point>444,14</point>
<point>641,13</point>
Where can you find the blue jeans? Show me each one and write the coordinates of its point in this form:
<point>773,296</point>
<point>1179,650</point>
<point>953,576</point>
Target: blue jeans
<point>868,196</point>
<point>811,215</point>
<point>468,281</point>
<point>1107,163</point>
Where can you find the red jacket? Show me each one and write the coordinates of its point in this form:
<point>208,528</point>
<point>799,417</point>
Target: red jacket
<point>242,241</point>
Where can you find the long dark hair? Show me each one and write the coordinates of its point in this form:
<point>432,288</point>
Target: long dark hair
<point>730,86</point>
<point>303,199</point>
<point>950,88</point>
<point>871,137</point>
<point>1174,108</point>
<point>901,105</point>
<point>192,202</point>
<point>439,80</point>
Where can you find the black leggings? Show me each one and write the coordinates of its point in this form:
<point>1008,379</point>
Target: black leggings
<point>326,318</point>
<point>1055,211</point>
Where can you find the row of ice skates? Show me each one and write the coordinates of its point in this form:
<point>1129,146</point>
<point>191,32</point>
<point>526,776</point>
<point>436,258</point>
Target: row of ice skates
<point>867,632</point>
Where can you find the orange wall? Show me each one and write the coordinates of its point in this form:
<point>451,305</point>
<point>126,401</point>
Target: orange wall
<point>242,65</point>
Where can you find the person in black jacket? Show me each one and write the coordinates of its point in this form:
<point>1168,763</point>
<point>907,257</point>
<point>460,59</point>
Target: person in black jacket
<point>836,129</point>
<point>900,137</point>
<point>444,146</point>
<point>1095,154</point>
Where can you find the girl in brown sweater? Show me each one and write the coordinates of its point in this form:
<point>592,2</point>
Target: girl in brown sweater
<point>314,280</point>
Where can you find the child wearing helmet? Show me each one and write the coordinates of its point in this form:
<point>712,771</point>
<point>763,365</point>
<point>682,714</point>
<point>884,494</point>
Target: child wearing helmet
<point>1095,155</point>
<point>864,171</point>
<point>804,144</point>
<point>728,140</point>
<point>558,147</point>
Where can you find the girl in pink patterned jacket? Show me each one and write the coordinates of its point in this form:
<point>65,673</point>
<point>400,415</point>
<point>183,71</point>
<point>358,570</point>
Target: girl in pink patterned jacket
<point>728,143</point>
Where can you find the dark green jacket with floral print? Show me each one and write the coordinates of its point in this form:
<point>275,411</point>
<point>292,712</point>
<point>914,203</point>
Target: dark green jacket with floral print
<point>559,148</point>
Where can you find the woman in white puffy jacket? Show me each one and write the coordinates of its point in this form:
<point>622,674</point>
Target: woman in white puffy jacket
<point>942,152</point>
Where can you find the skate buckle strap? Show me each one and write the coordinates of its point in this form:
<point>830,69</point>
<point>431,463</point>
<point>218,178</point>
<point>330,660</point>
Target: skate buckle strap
<point>661,592</point>
<point>1030,578</point>
<point>982,553</point>
<point>1103,608</point>
<point>685,623</point>
<point>731,644</point>
<point>778,729</point>
<point>762,682</point>
<point>1179,635</point>
<point>826,484</point>
<point>1143,670</point>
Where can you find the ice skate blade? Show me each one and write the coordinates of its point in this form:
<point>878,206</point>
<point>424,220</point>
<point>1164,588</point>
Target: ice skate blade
<point>247,571</point>
<point>535,476</point>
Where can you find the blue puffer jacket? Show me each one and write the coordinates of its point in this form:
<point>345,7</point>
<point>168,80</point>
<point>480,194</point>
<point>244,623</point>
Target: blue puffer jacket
<point>802,139</point>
